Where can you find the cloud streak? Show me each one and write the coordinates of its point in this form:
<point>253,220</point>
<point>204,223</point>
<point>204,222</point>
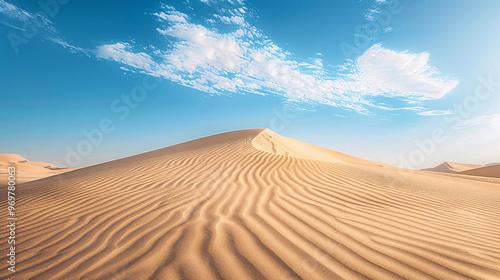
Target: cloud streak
<point>32,25</point>
<point>492,121</point>
<point>436,113</point>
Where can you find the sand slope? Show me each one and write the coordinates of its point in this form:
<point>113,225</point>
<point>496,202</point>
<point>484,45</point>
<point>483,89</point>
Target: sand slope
<point>221,208</point>
<point>26,170</point>
<point>453,167</point>
<point>488,171</point>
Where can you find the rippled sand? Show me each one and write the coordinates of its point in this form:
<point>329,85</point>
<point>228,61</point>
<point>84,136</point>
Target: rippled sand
<point>252,204</point>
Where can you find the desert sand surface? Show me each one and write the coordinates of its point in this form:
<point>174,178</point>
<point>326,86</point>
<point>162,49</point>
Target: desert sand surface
<point>252,204</point>
<point>487,171</point>
<point>26,170</point>
<point>453,167</point>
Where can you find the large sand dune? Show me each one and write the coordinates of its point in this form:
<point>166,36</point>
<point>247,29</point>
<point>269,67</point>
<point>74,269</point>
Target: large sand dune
<point>254,205</point>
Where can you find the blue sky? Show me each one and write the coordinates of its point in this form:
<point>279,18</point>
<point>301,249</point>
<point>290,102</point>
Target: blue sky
<point>88,82</point>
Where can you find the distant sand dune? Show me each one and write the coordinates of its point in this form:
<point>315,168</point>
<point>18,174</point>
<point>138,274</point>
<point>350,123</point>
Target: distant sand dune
<point>26,170</point>
<point>255,205</point>
<point>488,171</point>
<point>453,167</point>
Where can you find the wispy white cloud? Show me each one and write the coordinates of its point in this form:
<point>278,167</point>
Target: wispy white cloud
<point>388,72</point>
<point>375,9</point>
<point>378,12</point>
<point>384,72</point>
<point>12,26</point>
<point>370,15</point>
<point>31,25</point>
<point>245,60</point>
<point>233,56</point>
<point>232,2</point>
<point>492,121</point>
<point>120,52</point>
<point>18,15</point>
<point>231,19</point>
<point>15,12</point>
<point>172,16</point>
<point>435,113</point>
<point>479,138</point>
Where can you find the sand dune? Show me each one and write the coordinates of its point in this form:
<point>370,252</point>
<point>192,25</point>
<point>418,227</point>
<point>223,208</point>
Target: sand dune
<point>26,170</point>
<point>488,171</point>
<point>453,167</point>
<point>254,205</point>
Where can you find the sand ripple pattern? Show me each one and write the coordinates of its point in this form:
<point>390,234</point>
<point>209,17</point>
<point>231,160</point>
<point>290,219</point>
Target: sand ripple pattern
<point>218,208</point>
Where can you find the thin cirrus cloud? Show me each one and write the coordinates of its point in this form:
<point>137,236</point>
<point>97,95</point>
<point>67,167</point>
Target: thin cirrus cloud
<point>32,25</point>
<point>15,13</point>
<point>225,53</point>
<point>435,113</point>
<point>27,22</point>
<point>245,60</point>
<point>491,121</point>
